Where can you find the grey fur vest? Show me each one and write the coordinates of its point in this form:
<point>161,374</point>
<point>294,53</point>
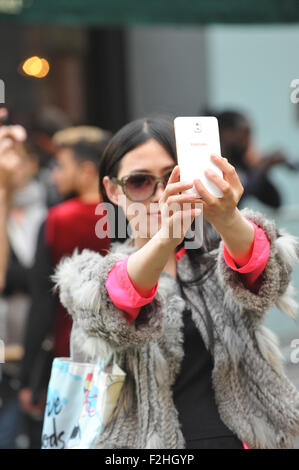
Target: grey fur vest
<point>255,398</point>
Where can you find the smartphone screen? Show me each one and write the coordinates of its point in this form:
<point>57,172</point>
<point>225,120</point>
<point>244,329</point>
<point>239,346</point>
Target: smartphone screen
<point>197,138</point>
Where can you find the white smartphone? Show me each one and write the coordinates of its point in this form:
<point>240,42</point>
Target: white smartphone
<point>197,138</point>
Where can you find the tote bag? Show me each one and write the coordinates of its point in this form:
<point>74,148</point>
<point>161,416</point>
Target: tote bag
<point>80,401</point>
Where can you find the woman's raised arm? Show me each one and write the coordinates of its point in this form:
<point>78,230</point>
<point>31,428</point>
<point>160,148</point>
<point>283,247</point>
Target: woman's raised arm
<point>177,213</point>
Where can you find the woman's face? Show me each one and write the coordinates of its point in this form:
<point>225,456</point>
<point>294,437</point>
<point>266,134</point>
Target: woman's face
<point>152,158</point>
<point>26,169</point>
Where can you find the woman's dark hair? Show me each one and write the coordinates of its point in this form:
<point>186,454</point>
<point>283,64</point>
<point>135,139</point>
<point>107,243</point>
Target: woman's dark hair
<point>161,129</point>
<point>90,151</point>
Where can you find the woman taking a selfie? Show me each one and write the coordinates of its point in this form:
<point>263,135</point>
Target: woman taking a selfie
<point>186,324</point>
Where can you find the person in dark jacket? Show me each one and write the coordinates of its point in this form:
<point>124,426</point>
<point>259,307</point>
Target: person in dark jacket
<point>26,213</point>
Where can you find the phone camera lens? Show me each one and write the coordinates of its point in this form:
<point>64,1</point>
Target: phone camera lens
<point>197,127</point>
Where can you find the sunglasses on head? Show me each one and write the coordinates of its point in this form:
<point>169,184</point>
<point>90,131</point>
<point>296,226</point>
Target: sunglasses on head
<point>139,187</point>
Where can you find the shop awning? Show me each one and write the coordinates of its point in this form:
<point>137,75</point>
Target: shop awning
<point>126,12</point>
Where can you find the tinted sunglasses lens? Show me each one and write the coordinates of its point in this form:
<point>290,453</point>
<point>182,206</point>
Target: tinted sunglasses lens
<point>139,187</point>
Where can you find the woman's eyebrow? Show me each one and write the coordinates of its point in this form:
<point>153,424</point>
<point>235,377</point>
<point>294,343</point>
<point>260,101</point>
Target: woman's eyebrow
<point>143,170</point>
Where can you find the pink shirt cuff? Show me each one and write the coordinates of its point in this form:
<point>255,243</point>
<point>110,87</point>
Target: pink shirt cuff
<point>257,262</point>
<point>123,293</point>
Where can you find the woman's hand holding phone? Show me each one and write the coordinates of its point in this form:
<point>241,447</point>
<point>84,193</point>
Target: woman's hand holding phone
<point>221,212</point>
<point>235,230</point>
<point>177,210</point>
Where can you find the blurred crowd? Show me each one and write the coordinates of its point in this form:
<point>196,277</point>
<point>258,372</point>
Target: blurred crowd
<point>49,190</point>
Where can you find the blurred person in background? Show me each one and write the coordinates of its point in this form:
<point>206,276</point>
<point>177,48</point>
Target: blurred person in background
<point>69,226</point>
<point>25,214</point>
<point>252,167</point>
<point>44,123</point>
<point>41,124</point>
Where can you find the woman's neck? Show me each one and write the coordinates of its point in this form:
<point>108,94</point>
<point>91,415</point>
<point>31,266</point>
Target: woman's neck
<point>90,192</point>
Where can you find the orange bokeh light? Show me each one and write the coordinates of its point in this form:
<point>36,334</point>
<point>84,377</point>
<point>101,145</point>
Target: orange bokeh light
<point>36,67</point>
